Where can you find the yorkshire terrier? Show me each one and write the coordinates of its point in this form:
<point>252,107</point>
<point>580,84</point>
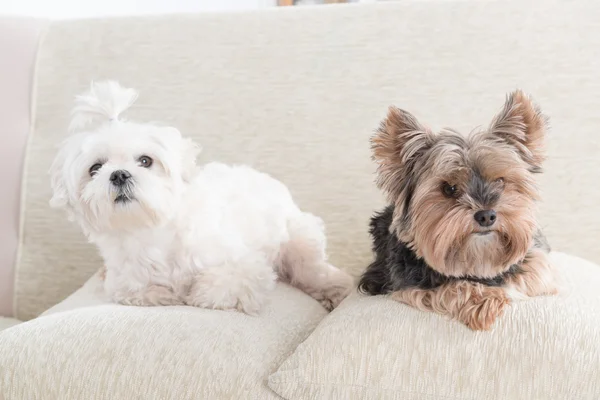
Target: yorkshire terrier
<point>459,236</point>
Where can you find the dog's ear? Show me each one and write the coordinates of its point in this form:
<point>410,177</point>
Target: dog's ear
<point>189,151</point>
<point>522,125</point>
<point>61,197</point>
<point>57,182</point>
<point>396,145</point>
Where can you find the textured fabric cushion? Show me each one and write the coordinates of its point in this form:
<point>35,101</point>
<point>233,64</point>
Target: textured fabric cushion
<point>85,348</point>
<point>18,46</point>
<point>7,322</point>
<point>297,92</point>
<point>374,348</point>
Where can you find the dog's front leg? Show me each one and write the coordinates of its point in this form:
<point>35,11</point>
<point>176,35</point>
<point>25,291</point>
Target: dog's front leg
<point>133,293</point>
<point>536,275</point>
<point>473,304</point>
<point>152,295</point>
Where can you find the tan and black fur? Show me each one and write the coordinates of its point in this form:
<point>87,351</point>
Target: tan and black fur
<point>460,235</point>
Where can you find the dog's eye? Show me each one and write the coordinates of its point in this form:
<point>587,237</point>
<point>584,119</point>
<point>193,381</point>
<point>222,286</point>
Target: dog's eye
<point>94,169</point>
<point>449,190</point>
<point>145,161</point>
<point>500,181</point>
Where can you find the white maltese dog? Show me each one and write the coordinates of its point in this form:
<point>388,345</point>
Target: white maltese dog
<point>171,232</point>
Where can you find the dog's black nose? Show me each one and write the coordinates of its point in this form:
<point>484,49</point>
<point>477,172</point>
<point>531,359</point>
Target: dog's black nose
<point>120,177</point>
<point>485,217</point>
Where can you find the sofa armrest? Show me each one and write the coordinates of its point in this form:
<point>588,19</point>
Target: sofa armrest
<point>19,39</point>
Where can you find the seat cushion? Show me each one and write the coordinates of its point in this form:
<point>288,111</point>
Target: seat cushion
<point>7,322</point>
<point>375,348</point>
<point>86,348</point>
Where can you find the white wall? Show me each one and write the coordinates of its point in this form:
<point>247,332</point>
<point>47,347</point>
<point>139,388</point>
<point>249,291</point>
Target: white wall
<point>66,9</point>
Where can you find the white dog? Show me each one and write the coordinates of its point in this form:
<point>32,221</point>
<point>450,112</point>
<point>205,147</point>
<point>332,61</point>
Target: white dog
<point>173,233</point>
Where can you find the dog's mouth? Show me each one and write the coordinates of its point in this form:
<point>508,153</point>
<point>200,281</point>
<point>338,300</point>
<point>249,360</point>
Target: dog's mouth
<point>123,194</point>
<point>122,199</point>
<point>483,233</point>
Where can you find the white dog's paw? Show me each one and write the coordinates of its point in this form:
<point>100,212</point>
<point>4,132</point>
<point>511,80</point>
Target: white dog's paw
<point>335,290</point>
<point>333,298</point>
<point>231,289</point>
<point>151,296</point>
<point>334,295</point>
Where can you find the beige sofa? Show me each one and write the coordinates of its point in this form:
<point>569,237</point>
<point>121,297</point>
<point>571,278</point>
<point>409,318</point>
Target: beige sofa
<point>296,92</point>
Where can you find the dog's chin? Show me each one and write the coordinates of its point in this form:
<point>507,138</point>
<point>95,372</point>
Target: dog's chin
<point>483,255</point>
<point>124,213</point>
<point>131,215</point>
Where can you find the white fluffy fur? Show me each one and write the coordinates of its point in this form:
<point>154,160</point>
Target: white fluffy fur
<point>105,101</point>
<point>215,236</point>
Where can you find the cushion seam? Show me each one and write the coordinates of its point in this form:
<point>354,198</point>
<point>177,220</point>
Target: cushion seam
<point>343,385</point>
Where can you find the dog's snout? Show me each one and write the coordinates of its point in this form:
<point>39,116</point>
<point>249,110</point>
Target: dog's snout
<point>485,217</point>
<point>120,177</point>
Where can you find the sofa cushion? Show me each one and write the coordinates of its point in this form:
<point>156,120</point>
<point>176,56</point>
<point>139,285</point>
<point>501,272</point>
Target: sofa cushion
<point>86,348</point>
<point>6,323</point>
<point>375,348</point>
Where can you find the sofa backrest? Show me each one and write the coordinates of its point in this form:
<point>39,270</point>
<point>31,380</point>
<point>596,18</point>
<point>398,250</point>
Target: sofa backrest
<point>297,92</point>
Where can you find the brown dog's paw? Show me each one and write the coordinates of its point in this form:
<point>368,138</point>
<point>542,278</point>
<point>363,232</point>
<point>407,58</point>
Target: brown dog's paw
<point>483,307</point>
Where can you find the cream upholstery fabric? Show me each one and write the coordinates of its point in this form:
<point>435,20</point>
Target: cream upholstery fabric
<point>103,351</point>
<point>297,92</point>
<point>375,348</point>
<point>19,39</point>
<point>7,323</point>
